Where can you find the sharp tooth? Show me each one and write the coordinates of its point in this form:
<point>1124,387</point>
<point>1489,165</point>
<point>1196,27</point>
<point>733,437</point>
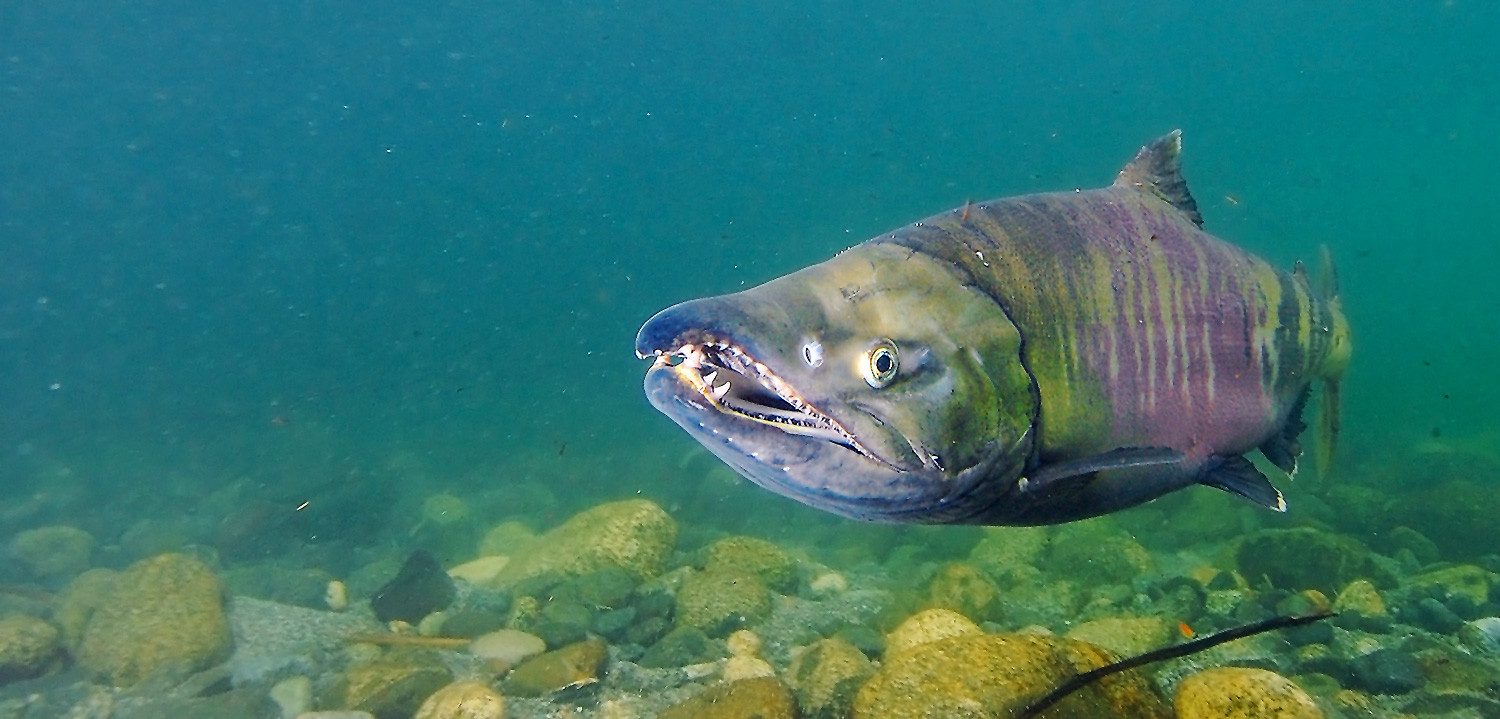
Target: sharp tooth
<point>709,378</point>
<point>721,390</point>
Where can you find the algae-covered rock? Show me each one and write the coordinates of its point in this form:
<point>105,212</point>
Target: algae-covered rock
<point>1306,558</point>
<point>463,700</point>
<point>1126,636</point>
<point>1009,554</point>
<point>77,602</point>
<point>997,675</point>
<point>754,555</point>
<point>55,551</point>
<point>635,535</point>
<point>929,625</point>
<point>573,666</point>
<point>1462,580</point>
<point>1097,552</point>
<point>825,677</point>
<point>962,588</point>
<point>165,613</point>
<point>28,647</point>
<point>1240,693</point>
<point>759,698</point>
<point>680,647</point>
<point>1361,598</point>
<point>389,687</point>
<point>506,538</point>
<point>721,601</point>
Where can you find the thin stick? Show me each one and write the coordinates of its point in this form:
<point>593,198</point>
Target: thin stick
<point>1080,681</point>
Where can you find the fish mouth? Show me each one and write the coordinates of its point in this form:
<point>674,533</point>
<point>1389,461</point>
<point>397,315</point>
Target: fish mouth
<point>733,382</point>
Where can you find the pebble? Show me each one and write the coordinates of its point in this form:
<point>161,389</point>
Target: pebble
<point>510,646</point>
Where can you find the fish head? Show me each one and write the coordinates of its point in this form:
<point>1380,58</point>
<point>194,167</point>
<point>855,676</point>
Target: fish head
<point>875,385</point>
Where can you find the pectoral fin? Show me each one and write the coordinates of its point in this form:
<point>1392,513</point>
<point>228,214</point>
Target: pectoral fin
<point>1238,476</point>
<point>1122,458</point>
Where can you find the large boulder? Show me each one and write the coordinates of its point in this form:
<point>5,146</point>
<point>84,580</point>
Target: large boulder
<point>634,534</point>
<point>1241,693</point>
<point>1307,558</point>
<point>165,613</point>
<point>996,675</point>
<point>28,647</point>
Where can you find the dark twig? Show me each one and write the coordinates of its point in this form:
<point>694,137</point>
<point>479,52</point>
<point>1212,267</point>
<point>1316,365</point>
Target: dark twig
<point>1194,646</point>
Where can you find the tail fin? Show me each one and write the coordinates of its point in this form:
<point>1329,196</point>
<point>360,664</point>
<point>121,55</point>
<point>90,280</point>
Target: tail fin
<point>1335,361</point>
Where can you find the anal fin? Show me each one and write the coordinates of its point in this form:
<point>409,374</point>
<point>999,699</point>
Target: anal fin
<point>1237,475</point>
<point>1283,448</point>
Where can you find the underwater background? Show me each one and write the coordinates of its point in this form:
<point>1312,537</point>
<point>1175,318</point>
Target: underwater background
<point>298,289</point>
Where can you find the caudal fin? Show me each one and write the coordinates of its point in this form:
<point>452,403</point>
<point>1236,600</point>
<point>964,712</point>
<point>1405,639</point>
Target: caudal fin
<point>1335,360</point>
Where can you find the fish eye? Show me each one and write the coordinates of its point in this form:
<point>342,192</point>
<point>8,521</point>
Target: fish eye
<point>812,353</point>
<point>880,365</point>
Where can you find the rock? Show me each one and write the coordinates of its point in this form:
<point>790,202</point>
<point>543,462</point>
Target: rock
<point>827,584</point>
<point>721,601</point>
<point>1238,693</point>
<point>825,677</point>
<point>1445,669</point>
<point>573,666</point>
<point>741,667</point>
<point>997,675</point>
<point>1482,636</point>
<point>928,626</point>
<point>78,601</point>
<point>293,695</point>
<point>1384,671</point>
<point>1463,580</point>
<point>390,687</point>
<point>474,622</point>
<point>635,535</point>
<point>509,646</point>
<point>1088,551</point>
<point>963,589</point>
<point>1126,636</point>
<point>506,538</point>
<point>1009,555</point>
<point>28,647</point>
<point>1306,558</point>
<point>1432,615</point>
<point>1464,509</point>
<point>419,589</point>
<point>754,555</point>
<point>1421,548</point>
<point>1362,598</point>
<point>760,698</point>
<point>55,551</point>
<point>463,700</point>
<point>165,613</point>
<point>480,571</point>
<point>681,647</point>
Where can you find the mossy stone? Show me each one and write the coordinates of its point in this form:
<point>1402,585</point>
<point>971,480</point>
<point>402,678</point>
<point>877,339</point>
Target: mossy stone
<point>1242,693</point>
<point>825,677</point>
<point>163,613</point>
<point>758,698</point>
<point>635,535</point>
<point>682,646</point>
<point>29,646</point>
<point>962,588</point>
<point>1098,553</point>
<point>754,555</point>
<point>390,687</point>
<point>1307,558</point>
<point>995,675</point>
<point>1126,636</point>
<point>719,602</point>
<point>572,666</point>
<point>55,551</point>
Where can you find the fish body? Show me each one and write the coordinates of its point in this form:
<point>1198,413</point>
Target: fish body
<point>1030,360</point>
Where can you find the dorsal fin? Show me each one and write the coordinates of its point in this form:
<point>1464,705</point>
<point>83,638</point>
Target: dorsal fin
<point>1157,169</point>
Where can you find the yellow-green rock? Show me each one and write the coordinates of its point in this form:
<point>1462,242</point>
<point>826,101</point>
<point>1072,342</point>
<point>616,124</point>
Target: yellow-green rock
<point>997,675</point>
<point>721,601</point>
<point>55,551</point>
<point>390,687</point>
<point>760,698</point>
<point>929,625</point>
<point>77,602</point>
<point>635,535</point>
<point>962,588</point>
<point>1362,598</point>
<point>463,700</point>
<point>28,647</point>
<point>1241,693</point>
<point>754,555</point>
<point>1098,552</point>
<point>1009,554</point>
<point>505,538</point>
<point>825,677</point>
<point>572,666</point>
<point>165,613</point>
<point>1126,636</point>
<point>1464,580</point>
